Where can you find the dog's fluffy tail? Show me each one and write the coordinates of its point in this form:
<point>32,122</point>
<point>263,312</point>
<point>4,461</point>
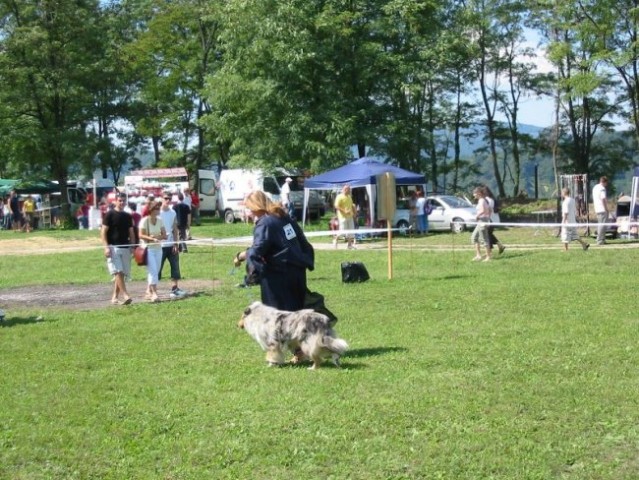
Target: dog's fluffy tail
<point>335,345</point>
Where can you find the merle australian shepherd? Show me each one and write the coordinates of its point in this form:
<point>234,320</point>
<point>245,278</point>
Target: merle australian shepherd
<point>305,332</point>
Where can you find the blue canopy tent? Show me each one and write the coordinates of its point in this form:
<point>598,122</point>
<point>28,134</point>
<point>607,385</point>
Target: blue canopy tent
<point>360,173</point>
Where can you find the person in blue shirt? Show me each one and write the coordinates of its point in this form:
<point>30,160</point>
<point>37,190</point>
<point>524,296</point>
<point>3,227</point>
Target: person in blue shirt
<point>279,256</point>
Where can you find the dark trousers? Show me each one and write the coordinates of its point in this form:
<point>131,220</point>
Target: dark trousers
<point>174,263</point>
<point>183,237</point>
<point>492,239</point>
<point>284,290</point>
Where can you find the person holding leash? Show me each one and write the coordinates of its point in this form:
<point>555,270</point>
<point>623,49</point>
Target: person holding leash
<point>279,256</point>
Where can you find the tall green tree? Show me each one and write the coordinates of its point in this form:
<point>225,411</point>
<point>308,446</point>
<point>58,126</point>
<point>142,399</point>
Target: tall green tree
<point>301,81</point>
<point>615,23</point>
<point>174,48</point>
<point>586,107</point>
<point>49,54</point>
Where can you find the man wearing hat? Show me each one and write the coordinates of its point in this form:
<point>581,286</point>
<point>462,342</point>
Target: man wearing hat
<point>286,197</point>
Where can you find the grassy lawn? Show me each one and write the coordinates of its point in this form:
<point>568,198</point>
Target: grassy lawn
<point>523,368</point>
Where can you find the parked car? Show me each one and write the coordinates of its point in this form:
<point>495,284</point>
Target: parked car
<point>449,213</point>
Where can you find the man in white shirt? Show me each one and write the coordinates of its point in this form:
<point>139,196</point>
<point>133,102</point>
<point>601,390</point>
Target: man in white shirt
<point>170,245</point>
<point>286,197</point>
<point>600,203</point>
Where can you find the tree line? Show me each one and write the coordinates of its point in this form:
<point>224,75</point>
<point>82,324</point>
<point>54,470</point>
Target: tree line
<point>88,84</point>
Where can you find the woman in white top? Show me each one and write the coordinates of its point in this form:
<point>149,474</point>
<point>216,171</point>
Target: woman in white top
<point>480,234</point>
<point>492,239</point>
<point>152,232</point>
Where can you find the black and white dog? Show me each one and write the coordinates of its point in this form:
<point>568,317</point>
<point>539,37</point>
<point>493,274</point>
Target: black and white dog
<point>305,331</point>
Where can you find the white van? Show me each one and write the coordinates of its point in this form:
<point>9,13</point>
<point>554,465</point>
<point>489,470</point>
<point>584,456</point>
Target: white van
<point>207,190</point>
<point>235,185</point>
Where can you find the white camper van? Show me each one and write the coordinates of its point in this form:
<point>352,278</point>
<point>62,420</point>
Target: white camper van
<point>236,184</point>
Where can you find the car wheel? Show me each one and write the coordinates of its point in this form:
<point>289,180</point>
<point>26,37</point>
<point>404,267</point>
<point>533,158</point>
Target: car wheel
<point>457,225</point>
<point>229,217</point>
<point>403,225</point>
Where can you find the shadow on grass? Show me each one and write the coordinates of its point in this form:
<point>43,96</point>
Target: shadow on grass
<point>13,321</point>
<point>373,352</point>
<point>327,365</point>
<point>346,364</point>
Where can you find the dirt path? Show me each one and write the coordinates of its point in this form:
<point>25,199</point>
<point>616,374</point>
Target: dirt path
<point>91,297</point>
<point>77,297</point>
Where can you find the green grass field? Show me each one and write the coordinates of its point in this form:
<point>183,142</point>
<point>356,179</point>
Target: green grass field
<point>522,368</point>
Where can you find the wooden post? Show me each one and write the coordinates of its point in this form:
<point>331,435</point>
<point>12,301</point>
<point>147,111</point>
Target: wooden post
<point>390,249</point>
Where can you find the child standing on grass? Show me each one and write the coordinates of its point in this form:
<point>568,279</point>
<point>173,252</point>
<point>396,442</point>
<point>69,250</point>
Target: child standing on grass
<point>569,217</point>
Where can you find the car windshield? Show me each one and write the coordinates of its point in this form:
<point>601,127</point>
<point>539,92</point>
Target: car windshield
<point>455,202</point>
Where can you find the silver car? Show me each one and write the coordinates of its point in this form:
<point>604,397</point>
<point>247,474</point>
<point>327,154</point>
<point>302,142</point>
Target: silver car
<point>449,213</point>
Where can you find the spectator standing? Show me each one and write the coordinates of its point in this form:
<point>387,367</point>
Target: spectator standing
<point>189,202</point>
<point>183,214</point>
<point>286,197</point>
<point>412,210</point>
<point>152,232</point>
<point>279,256</point>
<point>6,214</point>
<point>145,207</point>
<point>420,214</point>
<point>195,208</point>
<point>170,250</point>
<point>16,214</point>
<point>83,216</point>
<point>480,233</point>
<point>29,208</point>
<point>117,236</point>
<point>568,220</point>
<point>492,203</point>
<point>600,202</point>
<point>133,207</point>
<point>345,215</point>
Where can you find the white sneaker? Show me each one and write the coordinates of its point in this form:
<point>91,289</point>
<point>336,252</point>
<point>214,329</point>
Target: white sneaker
<point>177,293</point>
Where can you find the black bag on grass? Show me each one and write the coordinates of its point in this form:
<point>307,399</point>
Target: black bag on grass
<point>353,272</point>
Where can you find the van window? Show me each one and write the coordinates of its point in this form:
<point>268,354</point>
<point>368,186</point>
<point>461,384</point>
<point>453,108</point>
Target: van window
<point>271,186</point>
<point>76,195</point>
<point>207,186</point>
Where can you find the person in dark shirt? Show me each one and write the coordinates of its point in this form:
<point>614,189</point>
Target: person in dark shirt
<point>183,212</point>
<point>279,256</point>
<point>16,211</point>
<point>118,238</point>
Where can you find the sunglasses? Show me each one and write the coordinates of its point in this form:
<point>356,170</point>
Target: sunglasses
<point>167,198</point>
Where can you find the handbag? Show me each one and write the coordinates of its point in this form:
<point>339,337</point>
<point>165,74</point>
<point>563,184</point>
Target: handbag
<point>354,272</point>
<point>140,255</point>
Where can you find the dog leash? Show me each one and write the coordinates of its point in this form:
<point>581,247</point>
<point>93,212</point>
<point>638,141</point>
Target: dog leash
<point>249,295</point>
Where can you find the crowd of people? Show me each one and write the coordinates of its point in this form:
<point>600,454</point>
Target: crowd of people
<point>161,227</point>
<point>20,215</point>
